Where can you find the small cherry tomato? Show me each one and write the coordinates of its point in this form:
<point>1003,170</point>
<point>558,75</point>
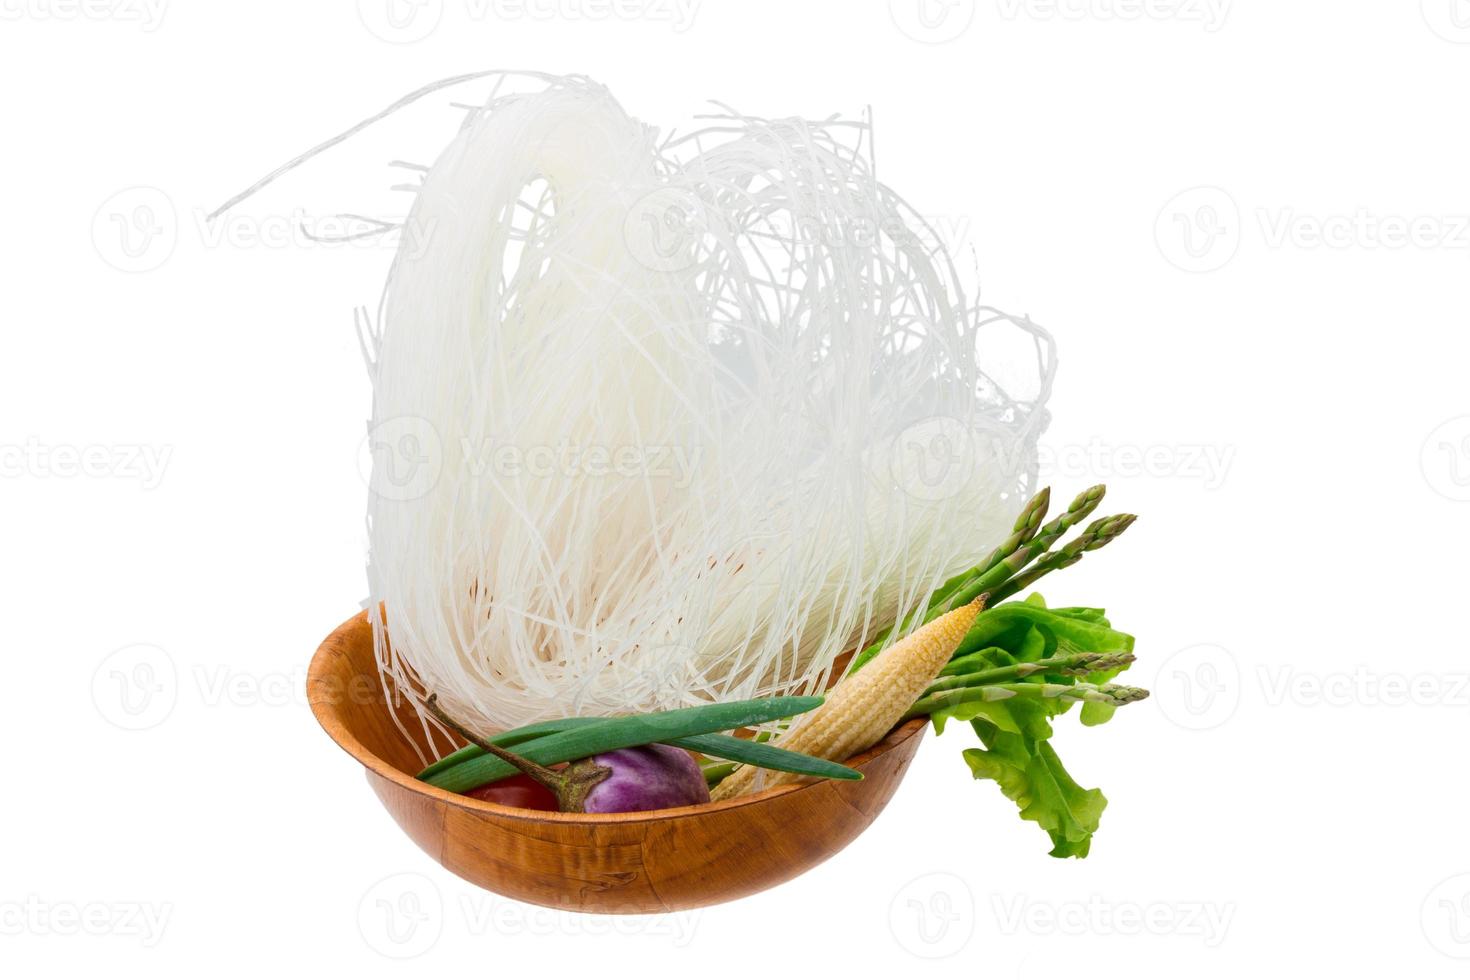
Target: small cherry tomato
<point>518,790</point>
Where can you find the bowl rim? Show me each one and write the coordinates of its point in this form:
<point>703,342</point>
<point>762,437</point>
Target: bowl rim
<point>325,708</point>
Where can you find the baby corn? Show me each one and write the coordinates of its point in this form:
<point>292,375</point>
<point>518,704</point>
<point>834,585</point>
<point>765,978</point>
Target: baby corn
<point>864,706</point>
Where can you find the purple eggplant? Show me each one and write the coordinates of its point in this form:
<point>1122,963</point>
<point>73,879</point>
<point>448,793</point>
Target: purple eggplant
<point>646,777</point>
<point>649,777</point>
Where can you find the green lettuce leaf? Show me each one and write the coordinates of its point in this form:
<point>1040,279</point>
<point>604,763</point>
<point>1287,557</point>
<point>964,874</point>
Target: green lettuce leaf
<point>1014,715</point>
<point>1069,631</point>
<point>1029,773</point>
<point>1016,732</point>
<point>1094,713</point>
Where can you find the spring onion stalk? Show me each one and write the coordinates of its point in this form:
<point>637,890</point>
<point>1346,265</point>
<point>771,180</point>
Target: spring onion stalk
<point>711,746</point>
<point>606,734</point>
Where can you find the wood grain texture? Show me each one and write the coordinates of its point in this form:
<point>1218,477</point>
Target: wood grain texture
<point>659,861</point>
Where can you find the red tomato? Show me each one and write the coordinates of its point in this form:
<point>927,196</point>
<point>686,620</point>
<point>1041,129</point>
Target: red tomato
<point>518,790</point>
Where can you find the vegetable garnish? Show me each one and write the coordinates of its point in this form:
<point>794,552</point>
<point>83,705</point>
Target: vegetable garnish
<point>1012,718</point>
<point>1007,668</point>
<point>1018,665</point>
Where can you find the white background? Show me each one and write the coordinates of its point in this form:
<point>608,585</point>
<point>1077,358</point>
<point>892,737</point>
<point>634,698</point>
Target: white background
<point>1286,365</point>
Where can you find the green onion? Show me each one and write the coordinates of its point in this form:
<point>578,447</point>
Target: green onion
<point>606,734</point>
<point>716,746</point>
<point>765,756</point>
<point>505,740</point>
<point>717,771</point>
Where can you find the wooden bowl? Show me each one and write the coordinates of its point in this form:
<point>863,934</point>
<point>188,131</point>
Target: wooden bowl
<point>655,861</point>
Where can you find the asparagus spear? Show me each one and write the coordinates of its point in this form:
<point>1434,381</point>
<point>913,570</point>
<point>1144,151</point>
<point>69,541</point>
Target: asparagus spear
<point>1097,535</point>
<point>982,579</point>
<point>716,771</point>
<point>1028,522</point>
<point>1081,506</point>
<point>1115,695</point>
<point>1025,528</point>
<point>1072,665</point>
